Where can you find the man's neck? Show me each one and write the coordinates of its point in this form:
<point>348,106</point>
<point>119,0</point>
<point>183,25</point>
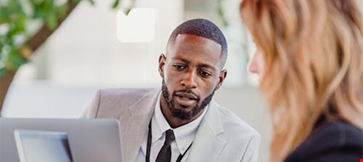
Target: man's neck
<point>174,122</point>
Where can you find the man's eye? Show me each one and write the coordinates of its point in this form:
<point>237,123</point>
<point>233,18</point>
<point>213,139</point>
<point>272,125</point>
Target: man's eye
<point>205,74</point>
<point>179,67</point>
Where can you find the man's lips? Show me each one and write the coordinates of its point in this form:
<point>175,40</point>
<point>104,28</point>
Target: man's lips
<point>189,96</point>
<point>186,99</point>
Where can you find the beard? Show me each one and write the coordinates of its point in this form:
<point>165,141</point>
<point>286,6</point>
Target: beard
<point>183,114</point>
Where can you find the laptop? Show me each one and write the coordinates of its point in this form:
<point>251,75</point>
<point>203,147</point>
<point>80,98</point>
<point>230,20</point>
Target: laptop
<point>90,140</point>
<point>42,146</point>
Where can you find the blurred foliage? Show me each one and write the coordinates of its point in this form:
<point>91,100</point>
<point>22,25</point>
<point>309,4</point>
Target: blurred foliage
<point>220,12</point>
<point>15,17</point>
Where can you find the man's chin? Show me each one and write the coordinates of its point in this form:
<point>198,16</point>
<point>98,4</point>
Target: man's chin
<point>182,113</point>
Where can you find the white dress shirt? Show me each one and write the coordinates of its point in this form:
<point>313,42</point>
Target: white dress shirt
<point>184,136</point>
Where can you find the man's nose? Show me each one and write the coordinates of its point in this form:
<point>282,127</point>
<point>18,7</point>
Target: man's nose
<point>189,80</point>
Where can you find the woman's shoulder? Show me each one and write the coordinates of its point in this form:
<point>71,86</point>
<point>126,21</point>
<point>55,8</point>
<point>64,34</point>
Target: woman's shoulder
<point>331,142</point>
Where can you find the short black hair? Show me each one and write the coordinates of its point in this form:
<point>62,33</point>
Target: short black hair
<point>202,28</point>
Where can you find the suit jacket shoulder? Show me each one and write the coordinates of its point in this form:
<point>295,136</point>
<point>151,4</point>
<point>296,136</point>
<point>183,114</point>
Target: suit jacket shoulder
<point>110,103</point>
<point>335,141</point>
<point>235,125</point>
<point>238,131</point>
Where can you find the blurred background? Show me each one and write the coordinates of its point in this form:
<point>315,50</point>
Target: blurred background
<point>91,50</point>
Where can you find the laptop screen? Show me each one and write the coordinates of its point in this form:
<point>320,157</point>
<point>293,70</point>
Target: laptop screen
<point>42,146</point>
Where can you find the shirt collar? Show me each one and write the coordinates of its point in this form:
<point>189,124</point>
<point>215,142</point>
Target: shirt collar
<point>184,135</point>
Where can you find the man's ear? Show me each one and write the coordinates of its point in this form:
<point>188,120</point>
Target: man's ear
<point>162,60</point>
<point>222,76</point>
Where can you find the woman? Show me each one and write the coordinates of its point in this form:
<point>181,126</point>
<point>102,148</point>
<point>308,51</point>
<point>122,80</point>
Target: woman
<point>310,60</point>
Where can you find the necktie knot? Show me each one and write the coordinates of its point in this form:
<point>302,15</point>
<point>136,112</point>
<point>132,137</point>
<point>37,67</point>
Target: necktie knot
<point>169,137</point>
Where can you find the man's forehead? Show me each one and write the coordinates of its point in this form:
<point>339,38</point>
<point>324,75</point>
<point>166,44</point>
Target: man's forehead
<point>202,63</point>
<point>195,38</point>
<point>187,42</point>
<point>187,45</point>
<point>190,60</point>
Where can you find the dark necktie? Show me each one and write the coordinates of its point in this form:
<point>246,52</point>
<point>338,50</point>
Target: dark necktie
<point>165,152</point>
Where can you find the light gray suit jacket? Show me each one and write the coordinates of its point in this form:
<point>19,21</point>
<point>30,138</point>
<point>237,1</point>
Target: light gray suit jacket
<point>221,136</point>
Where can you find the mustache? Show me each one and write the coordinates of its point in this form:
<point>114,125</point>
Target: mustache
<point>187,93</point>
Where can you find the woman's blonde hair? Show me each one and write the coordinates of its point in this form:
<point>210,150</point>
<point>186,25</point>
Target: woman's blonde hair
<point>313,64</point>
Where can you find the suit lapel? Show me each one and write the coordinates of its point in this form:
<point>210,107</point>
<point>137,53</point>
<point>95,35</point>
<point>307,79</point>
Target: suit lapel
<point>208,145</point>
<point>135,124</point>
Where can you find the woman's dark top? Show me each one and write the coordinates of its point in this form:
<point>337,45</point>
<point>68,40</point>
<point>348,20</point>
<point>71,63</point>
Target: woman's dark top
<point>330,141</point>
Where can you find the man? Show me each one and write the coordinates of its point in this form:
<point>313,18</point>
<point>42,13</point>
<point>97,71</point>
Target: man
<point>181,122</point>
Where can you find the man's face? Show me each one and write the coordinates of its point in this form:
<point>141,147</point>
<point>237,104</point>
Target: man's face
<point>191,72</point>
